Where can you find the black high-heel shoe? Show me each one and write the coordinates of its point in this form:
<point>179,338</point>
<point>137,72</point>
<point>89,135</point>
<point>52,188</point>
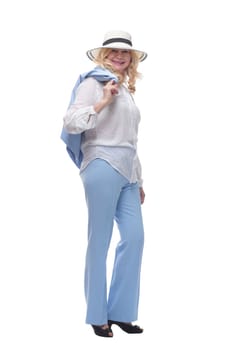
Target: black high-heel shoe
<point>126,327</point>
<point>100,331</point>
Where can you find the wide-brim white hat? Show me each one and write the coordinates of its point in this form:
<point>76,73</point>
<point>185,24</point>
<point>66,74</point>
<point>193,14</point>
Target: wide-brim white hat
<point>116,39</point>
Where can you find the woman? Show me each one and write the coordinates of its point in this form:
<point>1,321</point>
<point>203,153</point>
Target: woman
<point>100,131</point>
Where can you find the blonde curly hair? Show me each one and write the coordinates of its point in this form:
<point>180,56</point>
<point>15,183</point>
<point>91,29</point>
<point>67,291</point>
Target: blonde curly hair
<point>130,76</point>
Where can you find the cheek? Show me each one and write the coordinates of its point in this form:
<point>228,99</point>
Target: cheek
<point>129,59</point>
<point>128,62</point>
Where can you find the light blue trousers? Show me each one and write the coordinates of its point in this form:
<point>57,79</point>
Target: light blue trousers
<point>110,197</point>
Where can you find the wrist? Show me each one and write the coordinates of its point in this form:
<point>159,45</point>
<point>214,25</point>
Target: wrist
<point>100,105</point>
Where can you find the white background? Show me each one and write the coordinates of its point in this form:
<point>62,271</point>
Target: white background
<point>185,146</point>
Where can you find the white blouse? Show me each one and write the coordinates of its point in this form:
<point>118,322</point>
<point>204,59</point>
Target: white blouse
<point>110,134</point>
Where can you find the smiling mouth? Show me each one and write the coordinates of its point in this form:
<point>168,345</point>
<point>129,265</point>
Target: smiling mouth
<point>117,62</point>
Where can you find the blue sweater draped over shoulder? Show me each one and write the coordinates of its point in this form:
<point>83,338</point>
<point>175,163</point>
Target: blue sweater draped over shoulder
<point>73,141</point>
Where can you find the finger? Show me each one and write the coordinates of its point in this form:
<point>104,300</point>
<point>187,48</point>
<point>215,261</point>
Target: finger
<point>114,91</point>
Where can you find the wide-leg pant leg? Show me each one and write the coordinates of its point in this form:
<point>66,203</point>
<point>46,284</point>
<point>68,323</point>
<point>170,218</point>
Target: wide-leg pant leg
<point>125,285</point>
<point>102,186</point>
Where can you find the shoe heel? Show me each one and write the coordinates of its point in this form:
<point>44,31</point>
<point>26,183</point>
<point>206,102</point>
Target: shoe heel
<point>110,323</point>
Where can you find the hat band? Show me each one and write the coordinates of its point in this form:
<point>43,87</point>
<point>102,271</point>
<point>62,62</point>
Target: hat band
<point>117,40</point>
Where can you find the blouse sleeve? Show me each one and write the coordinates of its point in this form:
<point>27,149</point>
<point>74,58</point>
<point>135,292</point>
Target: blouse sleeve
<point>81,116</point>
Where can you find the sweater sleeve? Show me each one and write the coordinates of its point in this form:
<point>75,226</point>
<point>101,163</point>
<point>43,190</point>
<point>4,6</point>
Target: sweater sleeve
<point>80,115</point>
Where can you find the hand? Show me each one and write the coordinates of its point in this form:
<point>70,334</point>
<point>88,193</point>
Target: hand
<point>142,195</point>
<point>109,90</point>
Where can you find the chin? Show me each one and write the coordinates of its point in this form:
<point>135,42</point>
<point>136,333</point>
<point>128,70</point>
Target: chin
<point>119,70</point>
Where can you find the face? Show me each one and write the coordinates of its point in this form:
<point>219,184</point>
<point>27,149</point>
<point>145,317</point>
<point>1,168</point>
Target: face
<point>120,59</point>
